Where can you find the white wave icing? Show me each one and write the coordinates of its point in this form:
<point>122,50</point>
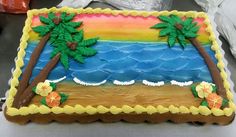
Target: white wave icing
<point>123,83</point>
<point>149,83</point>
<point>56,80</point>
<point>76,80</point>
<point>173,82</point>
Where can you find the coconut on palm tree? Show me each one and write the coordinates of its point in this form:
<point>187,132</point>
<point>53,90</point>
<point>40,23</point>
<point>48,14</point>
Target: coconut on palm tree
<point>179,30</point>
<point>67,42</point>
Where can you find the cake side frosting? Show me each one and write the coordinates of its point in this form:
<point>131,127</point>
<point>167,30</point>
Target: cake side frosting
<point>113,109</point>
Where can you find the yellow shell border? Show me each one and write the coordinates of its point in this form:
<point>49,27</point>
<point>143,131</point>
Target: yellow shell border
<point>78,109</point>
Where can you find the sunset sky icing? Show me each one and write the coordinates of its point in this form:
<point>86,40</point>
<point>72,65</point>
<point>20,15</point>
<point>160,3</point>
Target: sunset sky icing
<point>122,28</point>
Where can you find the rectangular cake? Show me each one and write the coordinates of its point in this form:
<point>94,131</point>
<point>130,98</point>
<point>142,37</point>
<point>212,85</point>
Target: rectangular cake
<point>100,64</point>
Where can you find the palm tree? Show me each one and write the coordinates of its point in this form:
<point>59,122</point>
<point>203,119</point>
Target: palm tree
<point>177,29</point>
<point>67,42</point>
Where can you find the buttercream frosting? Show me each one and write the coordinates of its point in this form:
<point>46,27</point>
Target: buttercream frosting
<point>115,110</point>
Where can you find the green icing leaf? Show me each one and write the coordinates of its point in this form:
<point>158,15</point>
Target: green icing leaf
<point>214,88</point>
<point>34,89</point>
<point>194,29</point>
<point>79,58</point>
<point>88,42</point>
<point>54,34</point>
<point>74,24</point>
<point>42,30</point>
<point>204,103</point>
<point>71,29</point>
<point>43,101</point>
<point>64,60</point>
<point>60,44</point>
<point>164,32</point>
<point>190,34</point>
<point>171,40</point>
<point>63,15</point>
<point>69,17</point>
<point>176,18</point>
<point>71,53</point>
<point>79,36</point>
<point>193,24</point>
<point>193,89</point>
<point>68,37</point>
<point>225,102</point>
<point>188,21</point>
<point>64,97</point>
<point>181,40</point>
<point>53,85</point>
<point>61,32</point>
<point>87,51</point>
<point>51,15</point>
<point>160,25</point>
<point>166,19</point>
<point>45,20</point>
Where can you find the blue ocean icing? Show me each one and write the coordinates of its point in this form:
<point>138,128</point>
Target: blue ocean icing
<point>125,61</point>
<point>120,65</point>
<point>126,75</point>
<point>116,55</point>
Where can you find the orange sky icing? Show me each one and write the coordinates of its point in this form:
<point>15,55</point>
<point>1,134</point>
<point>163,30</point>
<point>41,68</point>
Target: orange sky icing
<point>122,28</point>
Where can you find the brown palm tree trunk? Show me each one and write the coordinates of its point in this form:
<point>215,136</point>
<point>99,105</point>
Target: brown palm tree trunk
<point>24,82</point>
<point>28,94</point>
<point>215,73</point>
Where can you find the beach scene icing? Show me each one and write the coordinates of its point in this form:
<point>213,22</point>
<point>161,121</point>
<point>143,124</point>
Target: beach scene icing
<point>127,51</point>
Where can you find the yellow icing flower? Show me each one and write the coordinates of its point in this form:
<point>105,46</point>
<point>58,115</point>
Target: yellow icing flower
<point>204,89</point>
<point>43,88</point>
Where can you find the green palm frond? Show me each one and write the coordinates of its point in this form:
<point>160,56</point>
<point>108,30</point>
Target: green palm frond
<point>49,25</point>
<point>42,30</point>
<point>45,20</point>
<point>79,58</point>
<point>176,18</point>
<point>83,48</point>
<point>64,59</point>
<point>68,18</point>
<point>51,16</point>
<point>85,51</point>
<point>160,25</point>
<point>79,36</point>
<point>63,32</point>
<point>168,28</point>
<point>88,42</point>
